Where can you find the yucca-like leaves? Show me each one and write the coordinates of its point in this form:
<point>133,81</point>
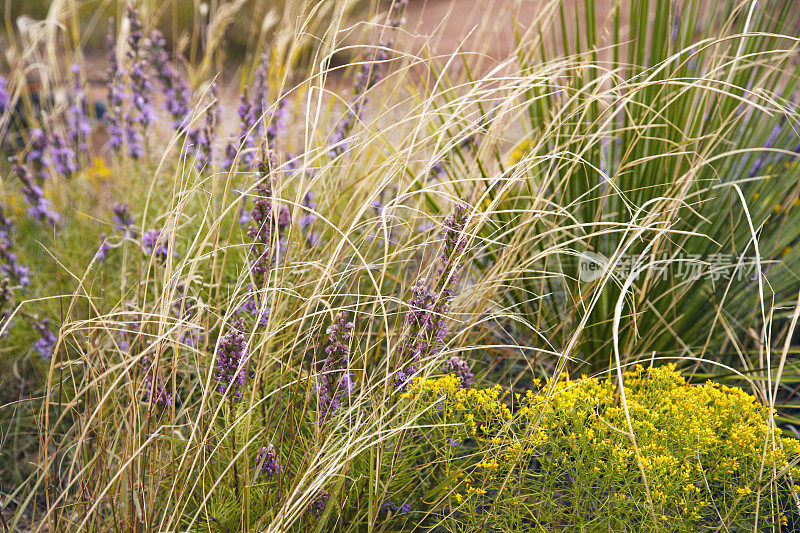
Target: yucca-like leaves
<point>637,147</point>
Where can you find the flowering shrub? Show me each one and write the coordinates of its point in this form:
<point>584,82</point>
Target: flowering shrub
<point>700,454</point>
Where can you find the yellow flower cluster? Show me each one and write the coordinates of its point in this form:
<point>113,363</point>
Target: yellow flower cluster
<point>705,450</point>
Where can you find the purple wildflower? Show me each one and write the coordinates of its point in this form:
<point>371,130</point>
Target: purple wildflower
<point>140,84</point>
<point>429,304</point>
<point>116,90</point>
<point>267,457</point>
<point>64,158</point>
<point>123,221</point>
<point>335,383</point>
<point>184,308</point>
<point>389,505</point>
<point>155,242</point>
<point>676,22</point>
<point>12,274</point>
<point>176,91</point>
<point>5,98</point>
<point>307,219</point>
<point>35,156</point>
<point>10,268</point>
<point>265,216</point>
<point>78,127</point>
<point>46,343</point>
<point>232,352</point>
<point>245,143</point>
<point>6,304</point>
<point>460,368</point>
<point>251,307</point>
<point>40,208</point>
<point>320,502</point>
<point>102,251</point>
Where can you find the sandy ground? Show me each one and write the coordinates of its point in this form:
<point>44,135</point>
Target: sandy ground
<point>433,27</point>
<point>452,25</point>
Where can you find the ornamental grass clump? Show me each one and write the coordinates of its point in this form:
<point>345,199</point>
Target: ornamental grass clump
<point>170,265</point>
<point>566,458</point>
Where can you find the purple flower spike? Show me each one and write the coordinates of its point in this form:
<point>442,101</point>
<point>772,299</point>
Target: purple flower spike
<point>102,251</point>
<point>123,221</point>
<point>461,369</point>
<point>40,208</point>
<point>10,269</point>
<point>335,383</point>
<point>78,127</point>
<point>200,140</point>
<point>265,217</point>
<point>320,502</point>
<point>231,355</point>
<point>5,98</point>
<point>389,505</point>
<point>268,459</point>
<point>116,90</point>
<point>64,157</point>
<point>46,343</point>
<point>35,157</point>
<point>429,304</point>
<point>369,73</point>
<point>176,91</point>
<point>156,243</point>
<point>140,84</point>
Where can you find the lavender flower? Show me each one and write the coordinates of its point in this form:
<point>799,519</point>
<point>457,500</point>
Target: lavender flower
<point>265,216</point>
<point>437,170</point>
<point>12,274</point>
<point>78,127</point>
<point>10,269</point>
<point>40,208</point>
<point>254,114</point>
<point>335,383</point>
<point>64,157</point>
<point>140,84</point>
<point>267,457</point>
<point>245,143</point>
<point>35,157</point>
<point>428,304</point>
<point>320,502</point>
<point>102,251</point>
<point>5,98</point>
<point>461,369</point>
<point>307,219</point>
<point>389,505</point>
<point>176,91</point>
<point>156,243</point>
<point>251,307</point>
<point>46,343</point>
<point>123,221</point>
<point>6,305</point>
<point>232,352</point>
<point>185,309</point>
<point>116,90</point>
